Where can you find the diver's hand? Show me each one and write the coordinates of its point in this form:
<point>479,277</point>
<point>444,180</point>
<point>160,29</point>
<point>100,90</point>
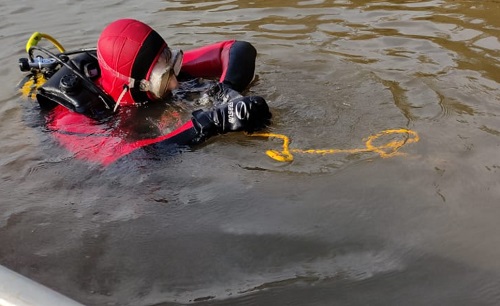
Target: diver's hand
<point>241,114</point>
<point>219,93</point>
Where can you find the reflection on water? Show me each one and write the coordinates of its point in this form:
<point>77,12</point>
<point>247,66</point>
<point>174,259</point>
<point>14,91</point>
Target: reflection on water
<point>225,224</point>
<point>419,50</point>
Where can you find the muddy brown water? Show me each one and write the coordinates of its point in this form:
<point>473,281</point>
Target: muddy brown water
<point>225,224</point>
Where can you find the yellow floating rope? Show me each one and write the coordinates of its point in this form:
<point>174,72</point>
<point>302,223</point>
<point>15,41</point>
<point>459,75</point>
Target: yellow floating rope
<point>389,149</point>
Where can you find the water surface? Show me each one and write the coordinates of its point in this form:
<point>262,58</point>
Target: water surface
<point>225,224</point>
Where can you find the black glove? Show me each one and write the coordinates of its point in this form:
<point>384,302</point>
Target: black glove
<point>219,93</point>
<point>241,114</point>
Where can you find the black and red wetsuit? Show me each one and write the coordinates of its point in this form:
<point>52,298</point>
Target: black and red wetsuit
<point>231,62</point>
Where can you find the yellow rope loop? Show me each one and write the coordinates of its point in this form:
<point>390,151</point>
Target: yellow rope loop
<point>386,150</point>
<point>391,148</point>
<point>284,155</point>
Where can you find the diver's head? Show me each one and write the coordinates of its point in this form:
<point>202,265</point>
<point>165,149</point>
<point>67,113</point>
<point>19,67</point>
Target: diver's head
<point>136,63</point>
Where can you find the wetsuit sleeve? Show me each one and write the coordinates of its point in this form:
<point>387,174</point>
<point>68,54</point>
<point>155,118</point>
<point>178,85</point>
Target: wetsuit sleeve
<point>248,114</point>
<point>232,61</point>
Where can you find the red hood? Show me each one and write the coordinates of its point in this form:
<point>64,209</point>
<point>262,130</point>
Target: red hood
<point>126,50</point>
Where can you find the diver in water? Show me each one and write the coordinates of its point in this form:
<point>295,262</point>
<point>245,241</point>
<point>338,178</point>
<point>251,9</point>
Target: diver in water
<point>98,101</point>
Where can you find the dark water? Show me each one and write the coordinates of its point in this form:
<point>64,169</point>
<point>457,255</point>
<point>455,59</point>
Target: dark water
<point>225,224</point>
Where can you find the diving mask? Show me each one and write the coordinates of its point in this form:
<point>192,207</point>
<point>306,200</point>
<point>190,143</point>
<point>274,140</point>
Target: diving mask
<point>169,63</point>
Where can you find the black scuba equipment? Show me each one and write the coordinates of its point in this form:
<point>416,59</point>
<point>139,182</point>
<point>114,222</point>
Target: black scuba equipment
<point>72,87</point>
<point>70,79</point>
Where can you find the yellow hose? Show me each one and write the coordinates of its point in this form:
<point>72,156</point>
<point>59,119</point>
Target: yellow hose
<point>37,36</point>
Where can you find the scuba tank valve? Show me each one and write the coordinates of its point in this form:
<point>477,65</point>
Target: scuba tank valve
<point>38,63</point>
<point>45,65</point>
